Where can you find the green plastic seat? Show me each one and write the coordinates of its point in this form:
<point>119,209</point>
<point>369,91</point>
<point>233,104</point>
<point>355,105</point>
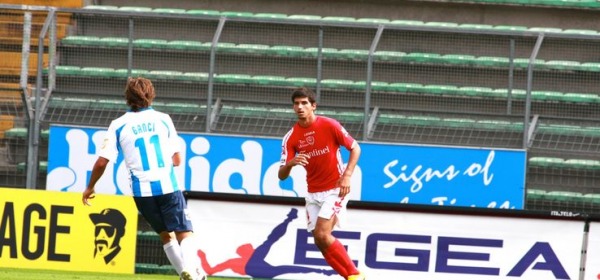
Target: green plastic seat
<point>476,91</point>
<point>292,51</point>
<point>547,162</point>
<point>564,196</point>
<point>80,40</point>
<point>501,125</point>
<point>169,11</point>
<point>301,82</point>
<point>98,72</point>
<point>581,97</point>
<point>545,29</point>
<point>234,14</point>
<point>524,62</point>
<point>136,9</point>
<point>389,55</point>
<point>423,121</point>
<point>459,122</point>
<point>234,78</point>
<point>203,12</point>
<point>223,47</point>
<point>441,24</point>
<point>134,72</point>
<point>475,26</point>
<point>492,61</point>
<point>196,76</point>
<point>164,74</point>
<point>42,166</point>
<point>590,66</point>
<point>337,83</point>
<point>16,132</point>
<point>458,59</point>
<point>101,7</point>
<point>391,119</point>
<point>562,64</point>
<point>305,17</point>
<point>441,89</point>
<point>338,19</point>
<point>510,28</point>
<point>535,194</point>
<point>354,54</point>
<point>423,57</point>
<point>402,22</point>
<point>546,95</point>
<point>347,116</point>
<point>270,80</point>
<point>561,129</point>
<point>252,48</point>
<point>270,15</point>
<point>67,70</point>
<point>187,45</point>
<point>406,87</point>
<point>150,43</point>
<point>373,20</point>
<point>114,42</point>
<point>583,164</point>
<point>110,104</point>
<point>375,85</point>
<point>580,31</point>
<point>592,198</point>
<point>325,52</point>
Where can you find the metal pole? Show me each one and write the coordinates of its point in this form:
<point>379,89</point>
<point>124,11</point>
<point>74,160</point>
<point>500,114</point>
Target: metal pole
<point>366,123</point>
<point>211,72</point>
<point>34,124</point>
<point>511,75</point>
<point>319,65</point>
<point>532,58</point>
<point>130,48</point>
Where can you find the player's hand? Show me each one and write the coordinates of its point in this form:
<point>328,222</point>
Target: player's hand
<point>344,184</point>
<point>88,194</point>
<point>300,159</point>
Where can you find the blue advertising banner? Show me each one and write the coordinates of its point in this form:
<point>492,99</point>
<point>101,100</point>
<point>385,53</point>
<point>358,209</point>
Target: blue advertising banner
<point>438,175</point>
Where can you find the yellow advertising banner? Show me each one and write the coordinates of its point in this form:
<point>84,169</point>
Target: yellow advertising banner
<point>54,230</point>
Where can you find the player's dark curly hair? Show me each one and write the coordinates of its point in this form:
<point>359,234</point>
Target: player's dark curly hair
<point>139,93</point>
<point>304,92</point>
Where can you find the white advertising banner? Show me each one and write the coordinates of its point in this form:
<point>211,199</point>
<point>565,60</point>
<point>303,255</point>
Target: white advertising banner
<point>270,241</point>
<point>592,264</point>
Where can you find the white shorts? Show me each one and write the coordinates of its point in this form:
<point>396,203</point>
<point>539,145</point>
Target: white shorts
<point>326,204</point>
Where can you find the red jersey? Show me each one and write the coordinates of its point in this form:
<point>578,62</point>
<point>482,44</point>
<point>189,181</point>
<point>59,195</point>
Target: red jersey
<point>322,141</point>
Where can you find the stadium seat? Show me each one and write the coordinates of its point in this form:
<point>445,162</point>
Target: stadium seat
<point>203,12</point>
<point>188,45</point>
<point>150,43</point>
<point>459,122</point>
<point>535,194</point>
<point>305,17</point>
<point>547,162</point>
<point>301,82</point>
<point>582,164</point>
<point>104,72</point>
<point>270,15</point>
<point>565,196</point>
<point>137,9</point>
<point>270,80</point>
<point>234,14</point>
<point>168,11</point>
<point>235,79</point>
<point>292,51</point>
<point>80,40</point>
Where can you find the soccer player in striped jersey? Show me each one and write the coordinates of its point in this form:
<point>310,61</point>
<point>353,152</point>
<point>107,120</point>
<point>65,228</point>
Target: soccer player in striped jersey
<point>150,147</point>
<point>314,143</point>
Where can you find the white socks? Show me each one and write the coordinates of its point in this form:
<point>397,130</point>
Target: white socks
<point>189,252</point>
<point>173,251</point>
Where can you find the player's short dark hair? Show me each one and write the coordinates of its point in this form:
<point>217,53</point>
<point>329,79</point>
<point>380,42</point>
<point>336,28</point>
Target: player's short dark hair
<point>304,92</point>
<point>139,93</point>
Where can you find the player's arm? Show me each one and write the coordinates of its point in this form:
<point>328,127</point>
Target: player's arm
<point>176,159</point>
<point>344,181</point>
<point>284,170</point>
<point>97,172</point>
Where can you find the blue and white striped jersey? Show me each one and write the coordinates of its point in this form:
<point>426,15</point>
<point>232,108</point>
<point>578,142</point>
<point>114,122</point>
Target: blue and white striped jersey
<point>148,140</point>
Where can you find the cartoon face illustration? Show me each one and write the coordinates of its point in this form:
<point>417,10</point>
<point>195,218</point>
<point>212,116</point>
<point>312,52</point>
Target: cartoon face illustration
<point>110,228</point>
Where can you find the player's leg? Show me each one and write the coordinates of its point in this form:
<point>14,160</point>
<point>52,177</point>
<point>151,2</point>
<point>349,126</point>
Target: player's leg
<point>148,207</point>
<point>176,217</point>
<point>332,214</point>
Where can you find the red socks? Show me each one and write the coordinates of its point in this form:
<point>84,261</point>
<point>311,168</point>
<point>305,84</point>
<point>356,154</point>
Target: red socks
<point>337,257</point>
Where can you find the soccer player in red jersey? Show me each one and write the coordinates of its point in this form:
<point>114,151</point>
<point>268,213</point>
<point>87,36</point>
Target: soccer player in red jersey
<point>314,143</point>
